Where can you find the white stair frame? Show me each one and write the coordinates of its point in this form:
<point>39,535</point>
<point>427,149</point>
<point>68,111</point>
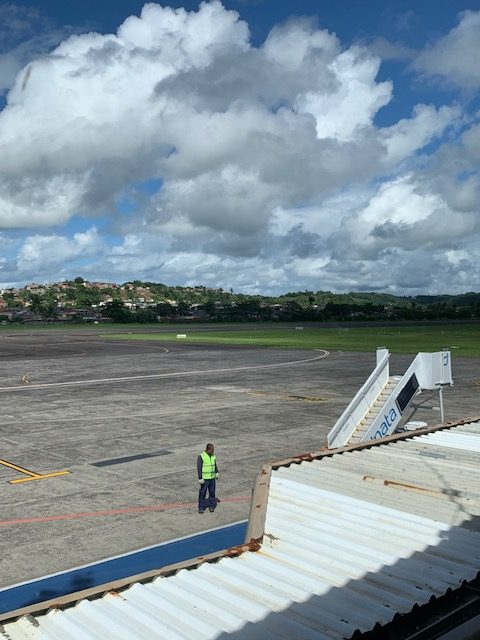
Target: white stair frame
<point>432,370</point>
<point>358,408</point>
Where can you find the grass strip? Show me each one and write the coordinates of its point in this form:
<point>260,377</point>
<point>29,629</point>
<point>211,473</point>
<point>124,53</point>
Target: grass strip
<point>462,340</point>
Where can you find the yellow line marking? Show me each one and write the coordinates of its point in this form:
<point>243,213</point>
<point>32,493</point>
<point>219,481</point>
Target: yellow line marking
<point>33,474</point>
<point>286,396</point>
<point>25,377</point>
<point>291,396</point>
<point>40,476</point>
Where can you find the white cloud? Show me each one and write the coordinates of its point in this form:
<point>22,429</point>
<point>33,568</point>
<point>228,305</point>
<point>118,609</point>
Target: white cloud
<point>39,254</point>
<point>12,60</point>
<point>355,100</point>
<point>462,195</point>
<point>471,143</point>
<point>27,201</point>
<point>387,50</point>
<point>131,246</point>
<point>407,214</point>
<point>408,135</point>
<point>455,56</point>
<point>108,109</point>
<point>231,199</point>
<point>322,220</point>
<point>274,174</point>
<point>185,39</point>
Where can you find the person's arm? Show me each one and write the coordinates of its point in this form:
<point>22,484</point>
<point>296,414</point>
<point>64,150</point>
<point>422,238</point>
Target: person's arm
<point>216,466</point>
<point>199,467</point>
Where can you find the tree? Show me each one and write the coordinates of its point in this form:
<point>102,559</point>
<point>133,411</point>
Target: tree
<point>49,309</point>
<point>36,303</point>
<point>183,308</point>
<point>86,296</point>
<point>165,310</point>
<point>117,311</point>
<point>210,308</point>
<point>10,299</point>
<point>146,315</point>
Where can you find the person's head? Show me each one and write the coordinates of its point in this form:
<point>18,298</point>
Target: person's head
<point>209,449</point>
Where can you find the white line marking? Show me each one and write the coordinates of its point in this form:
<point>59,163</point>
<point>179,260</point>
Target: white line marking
<point>154,376</point>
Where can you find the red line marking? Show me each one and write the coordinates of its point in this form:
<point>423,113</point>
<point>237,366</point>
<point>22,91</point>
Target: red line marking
<point>114,512</point>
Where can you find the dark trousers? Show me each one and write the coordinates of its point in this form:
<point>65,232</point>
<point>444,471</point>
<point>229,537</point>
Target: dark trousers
<point>203,501</point>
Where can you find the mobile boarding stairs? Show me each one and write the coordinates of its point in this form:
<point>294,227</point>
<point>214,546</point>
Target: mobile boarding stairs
<point>381,403</point>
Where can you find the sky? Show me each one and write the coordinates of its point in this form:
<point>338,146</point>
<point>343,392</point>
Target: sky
<point>253,145</point>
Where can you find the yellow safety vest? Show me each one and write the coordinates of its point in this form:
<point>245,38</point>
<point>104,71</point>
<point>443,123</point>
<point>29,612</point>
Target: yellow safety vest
<point>208,466</point>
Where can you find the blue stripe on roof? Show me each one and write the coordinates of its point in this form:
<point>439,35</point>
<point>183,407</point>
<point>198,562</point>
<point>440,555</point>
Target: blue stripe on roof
<point>94,575</point>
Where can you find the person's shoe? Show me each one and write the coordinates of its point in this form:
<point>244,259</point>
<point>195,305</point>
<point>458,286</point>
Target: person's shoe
<point>211,510</point>
<point>201,511</point>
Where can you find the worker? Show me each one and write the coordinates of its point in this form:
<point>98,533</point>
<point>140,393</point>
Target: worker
<point>207,474</point>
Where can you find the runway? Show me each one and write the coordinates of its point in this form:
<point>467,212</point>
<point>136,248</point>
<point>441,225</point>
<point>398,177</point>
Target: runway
<point>125,421</point>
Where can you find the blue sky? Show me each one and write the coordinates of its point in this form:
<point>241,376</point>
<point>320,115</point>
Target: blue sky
<point>257,145</point>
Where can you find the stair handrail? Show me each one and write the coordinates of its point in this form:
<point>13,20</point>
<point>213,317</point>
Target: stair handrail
<point>393,423</point>
<point>345,426</point>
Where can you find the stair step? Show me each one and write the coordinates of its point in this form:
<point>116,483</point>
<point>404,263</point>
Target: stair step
<point>359,434</point>
<point>375,409</point>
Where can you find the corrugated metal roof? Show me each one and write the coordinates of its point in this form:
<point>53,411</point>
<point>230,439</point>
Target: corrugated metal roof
<point>350,540</point>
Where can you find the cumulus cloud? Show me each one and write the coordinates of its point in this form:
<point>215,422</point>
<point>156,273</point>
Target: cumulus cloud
<point>355,101</point>
<point>14,59</point>
<point>273,172</point>
<point>152,82</point>
<point>30,201</point>
<point>471,143</point>
<point>404,213</point>
<point>409,134</point>
<point>42,253</point>
<point>455,56</point>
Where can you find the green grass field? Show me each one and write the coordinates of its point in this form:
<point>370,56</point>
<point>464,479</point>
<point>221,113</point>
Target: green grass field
<point>462,340</point>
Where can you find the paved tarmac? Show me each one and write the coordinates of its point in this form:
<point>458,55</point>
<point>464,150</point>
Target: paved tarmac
<point>127,420</point>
